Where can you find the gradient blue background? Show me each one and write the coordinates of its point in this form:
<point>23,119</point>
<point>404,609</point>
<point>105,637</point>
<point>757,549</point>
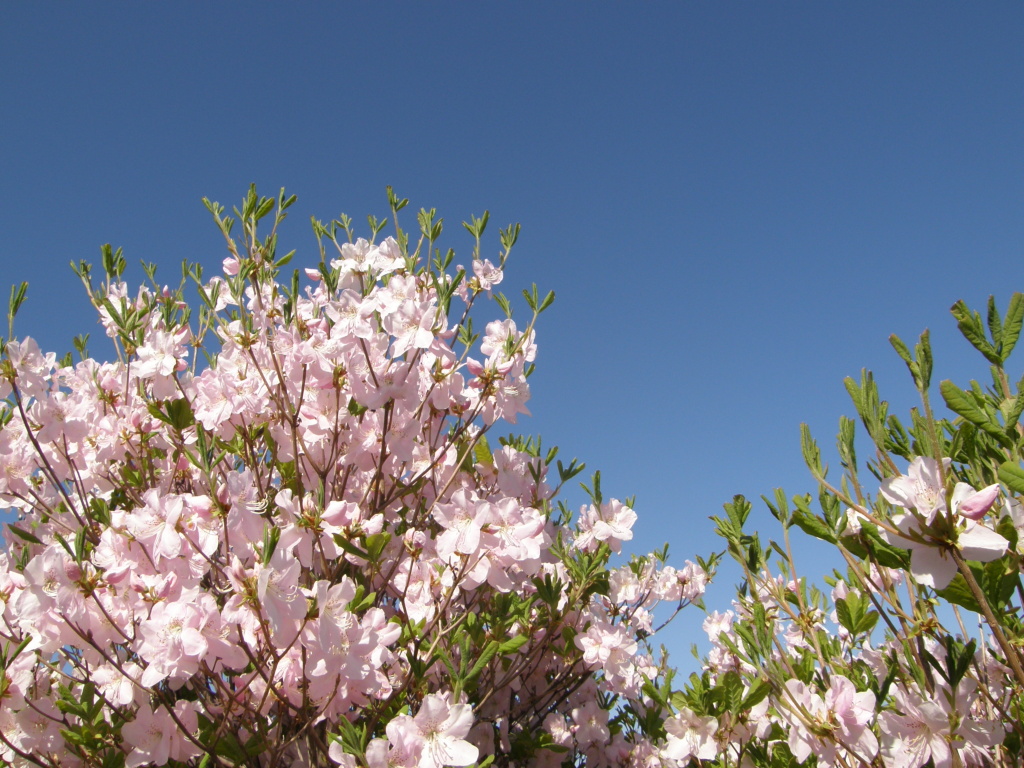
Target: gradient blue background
<point>736,203</point>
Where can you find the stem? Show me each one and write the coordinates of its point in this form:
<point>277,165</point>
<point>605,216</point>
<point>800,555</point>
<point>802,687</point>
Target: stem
<point>997,631</point>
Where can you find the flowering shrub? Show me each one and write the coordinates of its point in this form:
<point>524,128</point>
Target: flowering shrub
<point>915,657</point>
<point>305,550</point>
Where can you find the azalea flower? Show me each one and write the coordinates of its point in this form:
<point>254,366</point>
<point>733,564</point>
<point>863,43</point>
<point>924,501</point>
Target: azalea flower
<point>487,274</point>
<point>591,725</point>
<point>920,489</point>
<point>930,560</point>
<point>612,522</point>
<point>689,735</point>
<point>831,725</point>
<point>444,728</point>
<point>920,733</point>
<point>155,738</point>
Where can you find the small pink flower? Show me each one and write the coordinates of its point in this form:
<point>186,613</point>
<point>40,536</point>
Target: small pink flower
<point>612,522</point>
<point>931,563</point>
<point>689,735</point>
<point>444,728</point>
<point>920,489</point>
<point>487,274</point>
<point>973,504</point>
<point>922,732</point>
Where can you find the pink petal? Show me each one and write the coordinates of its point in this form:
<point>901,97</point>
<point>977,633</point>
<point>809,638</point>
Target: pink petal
<point>898,491</point>
<point>193,642</point>
<point>977,504</point>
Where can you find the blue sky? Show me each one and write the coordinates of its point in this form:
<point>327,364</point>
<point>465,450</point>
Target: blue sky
<point>736,203</point>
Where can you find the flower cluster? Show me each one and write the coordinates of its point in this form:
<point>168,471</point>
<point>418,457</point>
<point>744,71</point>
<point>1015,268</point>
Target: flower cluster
<point>306,549</point>
<point>912,658</point>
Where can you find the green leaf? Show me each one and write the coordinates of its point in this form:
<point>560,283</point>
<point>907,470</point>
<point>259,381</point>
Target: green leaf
<point>758,692</point>
<point>737,511</point>
<point>156,413</point>
<point>958,593</point>
<point>1012,324</point>
<point>867,622</point>
<point>482,452</point>
<point>970,326</point>
<point>180,414</point>
<point>546,301</point>
<point>868,544</point>
<point>1006,529</point>
<point>351,548</point>
<point>901,349</point>
<point>1011,415</point>
<point>229,746</point>
<point>871,410</point>
<point>271,536</point>
<point>21,534</point>
<point>813,526</point>
<point>843,613</point>
<point>514,644</point>
<point>882,551</point>
<point>1011,474</point>
<point>962,403</point>
<point>809,448</point>
<point>729,691</point>
<point>375,544</point>
<point>489,652</point>
<point>998,581</point>
<point>965,405</point>
<point>72,737</point>
<point>747,636</point>
<point>959,658</point>
<point>995,323</point>
<point>923,351</point>
<point>912,365</point>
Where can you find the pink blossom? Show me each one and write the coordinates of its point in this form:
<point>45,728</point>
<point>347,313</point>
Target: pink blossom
<point>930,561</point>
<point>116,686</point>
<point>973,504</point>
<point>851,712</point>
<point>338,756</point>
<point>716,623</point>
<point>401,749</point>
<point>590,724</point>
<point>462,520</point>
<point>174,639</point>
<point>920,489</point>
<point>487,274</point>
<point>156,524</point>
<point>278,591</point>
<point>332,602</point>
<point>689,735</point>
<point>341,424</point>
<point>612,522</point>
<point>152,737</point>
<point>920,733</point>
<point>444,727</point>
<point>352,315</point>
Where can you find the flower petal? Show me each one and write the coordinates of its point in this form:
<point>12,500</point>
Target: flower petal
<point>974,506</point>
<point>981,543</point>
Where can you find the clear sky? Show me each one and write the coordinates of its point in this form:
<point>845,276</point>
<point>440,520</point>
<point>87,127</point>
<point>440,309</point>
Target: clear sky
<point>736,203</point>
